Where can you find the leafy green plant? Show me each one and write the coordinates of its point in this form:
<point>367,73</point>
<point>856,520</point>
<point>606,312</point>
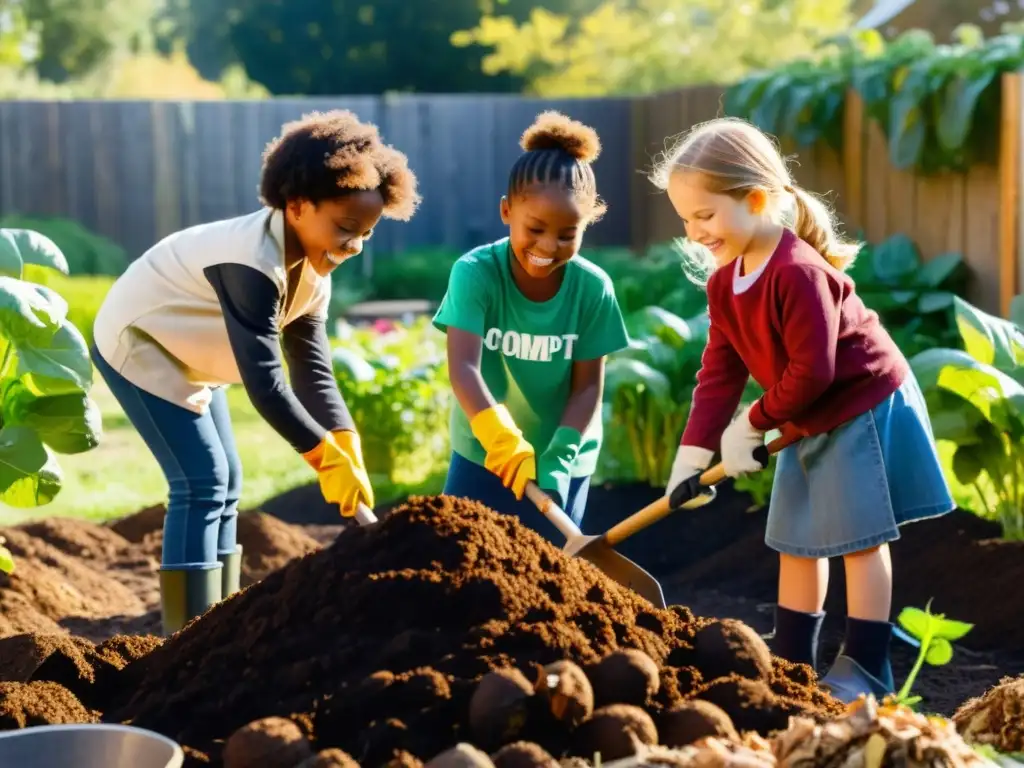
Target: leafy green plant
<point>913,297</point>
<point>395,382</point>
<point>937,105</point>
<point>85,252</point>
<point>935,635</point>
<point>975,398</point>
<point>45,375</point>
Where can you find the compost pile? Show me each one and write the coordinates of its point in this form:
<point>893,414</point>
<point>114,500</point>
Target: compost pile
<point>450,635</point>
<point>376,646</point>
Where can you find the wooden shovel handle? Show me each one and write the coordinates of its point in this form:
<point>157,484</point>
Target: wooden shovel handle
<point>552,511</point>
<point>662,507</point>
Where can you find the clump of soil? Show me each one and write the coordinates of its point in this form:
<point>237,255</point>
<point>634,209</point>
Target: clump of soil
<point>626,676</point>
<point>523,754</point>
<point>329,758</point>
<point>84,669</point>
<point>729,646</point>
<point>40,703</point>
<point>692,721</point>
<point>996,718</point>
<point>568,692</point>
<point>615,732</point>
<point>385,634</point>
<point>273,742</point>
<point>461,756</point>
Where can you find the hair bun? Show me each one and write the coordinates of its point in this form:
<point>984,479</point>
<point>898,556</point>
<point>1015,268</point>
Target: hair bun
<point>553,130</point>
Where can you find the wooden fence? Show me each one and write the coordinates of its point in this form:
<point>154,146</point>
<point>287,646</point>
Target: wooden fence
<point>135,171</point>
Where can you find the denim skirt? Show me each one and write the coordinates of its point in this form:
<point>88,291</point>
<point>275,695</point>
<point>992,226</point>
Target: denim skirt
<point>851,489</point>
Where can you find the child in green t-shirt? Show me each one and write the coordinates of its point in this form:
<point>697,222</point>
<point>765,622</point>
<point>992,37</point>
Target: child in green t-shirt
<point>529,323</point>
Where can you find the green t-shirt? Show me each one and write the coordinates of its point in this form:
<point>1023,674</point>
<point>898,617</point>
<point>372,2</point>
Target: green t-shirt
<point>529,347</point>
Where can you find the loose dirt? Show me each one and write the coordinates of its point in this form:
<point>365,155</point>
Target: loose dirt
<point>99,581</point>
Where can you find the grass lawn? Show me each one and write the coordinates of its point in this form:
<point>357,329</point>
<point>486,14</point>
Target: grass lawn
<point>120,476</point>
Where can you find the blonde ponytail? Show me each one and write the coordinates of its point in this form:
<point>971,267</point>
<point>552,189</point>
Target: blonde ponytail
<point>814,225</point>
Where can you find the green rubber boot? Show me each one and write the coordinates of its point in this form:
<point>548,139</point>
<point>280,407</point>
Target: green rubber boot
<point>231,574</point>
<point>187,594</point>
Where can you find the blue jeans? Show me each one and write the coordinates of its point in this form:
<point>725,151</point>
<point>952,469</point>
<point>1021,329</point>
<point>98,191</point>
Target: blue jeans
<point>199,459</point>
<point>471,481</point>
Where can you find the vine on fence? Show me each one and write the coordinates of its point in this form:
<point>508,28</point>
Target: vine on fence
<point>938,105</point>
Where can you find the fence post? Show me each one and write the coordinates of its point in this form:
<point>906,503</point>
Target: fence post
<point>1009,186</point>
<point>853,158</point>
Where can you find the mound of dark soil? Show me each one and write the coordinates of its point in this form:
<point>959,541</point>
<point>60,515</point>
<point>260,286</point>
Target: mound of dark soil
<point>384,635</point>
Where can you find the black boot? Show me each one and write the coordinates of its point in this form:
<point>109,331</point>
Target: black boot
<point>867,643</point>
<point>796,636</point>
<point>185,594</point>
<point>231,574</point>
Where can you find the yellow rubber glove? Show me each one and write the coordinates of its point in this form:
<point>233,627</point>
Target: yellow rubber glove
<point>509,455</point>
<point>338,460</point>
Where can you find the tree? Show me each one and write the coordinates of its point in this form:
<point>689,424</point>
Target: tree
<point>76,36</point>
<point>640,46</point>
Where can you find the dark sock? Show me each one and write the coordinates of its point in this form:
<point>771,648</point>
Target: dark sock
<point>796,635</point>
<point>867,643</point>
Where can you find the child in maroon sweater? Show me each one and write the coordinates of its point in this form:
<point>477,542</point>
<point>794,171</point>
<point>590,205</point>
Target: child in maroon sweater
<point>783,311</point>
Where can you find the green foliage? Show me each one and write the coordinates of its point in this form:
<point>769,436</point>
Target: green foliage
<point>86,252</point>
<point>419,273</point>
<point>975,397</point>
<point>650,45</point>
<point>395,383</point>
<point>914,298</point>
<point>84,295</point>
<point>936,635</point>
<point>45,375</point>
<point>938,105</point>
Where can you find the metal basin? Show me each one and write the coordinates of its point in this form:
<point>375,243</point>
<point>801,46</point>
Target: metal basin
<point>88,746</point>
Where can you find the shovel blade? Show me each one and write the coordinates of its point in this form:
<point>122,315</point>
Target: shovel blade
<point>624,571</point>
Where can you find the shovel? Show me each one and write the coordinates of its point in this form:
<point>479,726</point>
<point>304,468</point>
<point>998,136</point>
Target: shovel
<point>691,488</point>
<point>617,567</point>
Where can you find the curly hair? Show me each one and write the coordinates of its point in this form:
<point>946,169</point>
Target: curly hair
<point>323,155</point>
<point>559,150</point>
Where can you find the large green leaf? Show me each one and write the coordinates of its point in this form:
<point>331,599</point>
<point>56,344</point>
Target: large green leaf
<point>936,271</point>
<point>989,339</point>
<point>66,423</point>
<point>896,261</point>
<point>11,264</point>
<point>28,475</point>
<point>959,101</point>
<point>907,130</point>
<point>660,323</point>
<point>626,374</point>
<point>915,621</point>
<point>36,248</point>
<point>971,379</point>
<point>60,367</point>
<point>967,464</point>
<point>29,313</point>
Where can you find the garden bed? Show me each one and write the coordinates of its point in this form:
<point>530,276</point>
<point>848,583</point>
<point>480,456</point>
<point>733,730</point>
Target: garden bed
<point>319,641</point>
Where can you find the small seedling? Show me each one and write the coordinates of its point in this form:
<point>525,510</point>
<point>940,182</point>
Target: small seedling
<point>936,635</point>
